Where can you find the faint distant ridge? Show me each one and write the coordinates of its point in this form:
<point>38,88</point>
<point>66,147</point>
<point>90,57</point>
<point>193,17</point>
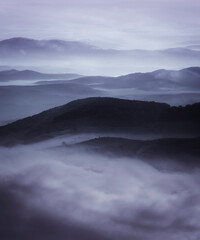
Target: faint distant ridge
<point>89,58</point>
<point>192,69</point>
<point>28,42</point>
<point>20,44</point>
<point>25,46</point>
<point>33,75</point>
<point>159,80</point>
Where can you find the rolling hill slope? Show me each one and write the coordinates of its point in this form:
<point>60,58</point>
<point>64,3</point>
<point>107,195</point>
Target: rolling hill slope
<point>105,115</point>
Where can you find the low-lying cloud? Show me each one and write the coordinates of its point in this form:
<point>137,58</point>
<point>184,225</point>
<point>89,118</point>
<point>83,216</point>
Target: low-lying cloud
<point>63,194</point>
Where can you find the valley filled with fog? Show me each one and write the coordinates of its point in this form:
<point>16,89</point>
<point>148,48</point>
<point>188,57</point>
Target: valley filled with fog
<point>50,191</point>
<point>98,143</point>
<point>98,168</point>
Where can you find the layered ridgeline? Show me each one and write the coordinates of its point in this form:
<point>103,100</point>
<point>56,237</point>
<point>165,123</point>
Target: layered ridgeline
<point>100,115</point>
<point>87,59</point>
<point>14,74</point>
<point>18,101</point>
<point>162,80</point>
<point>159,81</point>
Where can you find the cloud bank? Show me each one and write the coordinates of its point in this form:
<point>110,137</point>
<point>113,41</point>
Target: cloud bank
<point>54,194</point>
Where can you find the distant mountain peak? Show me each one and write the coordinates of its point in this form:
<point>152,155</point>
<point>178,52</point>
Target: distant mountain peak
<point>7,72</point>
<point>192,69</point>
<point>27,74</point>
<point>87,59</point>
<point>17,40</point>
<point>22,40</point>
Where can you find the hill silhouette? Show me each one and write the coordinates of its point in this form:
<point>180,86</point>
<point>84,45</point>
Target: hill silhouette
<point>105,115</point>
<point>185,151</point>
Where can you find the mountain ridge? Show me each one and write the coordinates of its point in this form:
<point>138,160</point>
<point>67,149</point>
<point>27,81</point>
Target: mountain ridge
<point>105,115</point>
<point>14,74</point>
<point>181,150</point>
<point>86,59</point>
<point>161,79</point>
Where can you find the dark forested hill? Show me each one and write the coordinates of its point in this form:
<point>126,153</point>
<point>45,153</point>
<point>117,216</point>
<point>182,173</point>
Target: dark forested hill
<point>103,115</point>
<point>185,151</point>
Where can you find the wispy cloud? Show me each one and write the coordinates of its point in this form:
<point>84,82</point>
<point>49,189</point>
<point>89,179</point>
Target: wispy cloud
<point>111,23</point>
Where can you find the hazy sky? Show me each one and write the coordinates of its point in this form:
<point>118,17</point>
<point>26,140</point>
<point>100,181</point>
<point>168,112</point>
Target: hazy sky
<point>125,24</point>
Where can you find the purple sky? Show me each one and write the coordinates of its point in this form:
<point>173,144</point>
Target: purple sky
<point>123,24</point>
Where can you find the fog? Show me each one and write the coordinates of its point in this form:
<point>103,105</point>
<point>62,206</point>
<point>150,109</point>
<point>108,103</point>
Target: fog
<point>57,193</point>
<point>110,169</point>
<point>99,62</point>
<point>58,56</point>
<point>122,24</point>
